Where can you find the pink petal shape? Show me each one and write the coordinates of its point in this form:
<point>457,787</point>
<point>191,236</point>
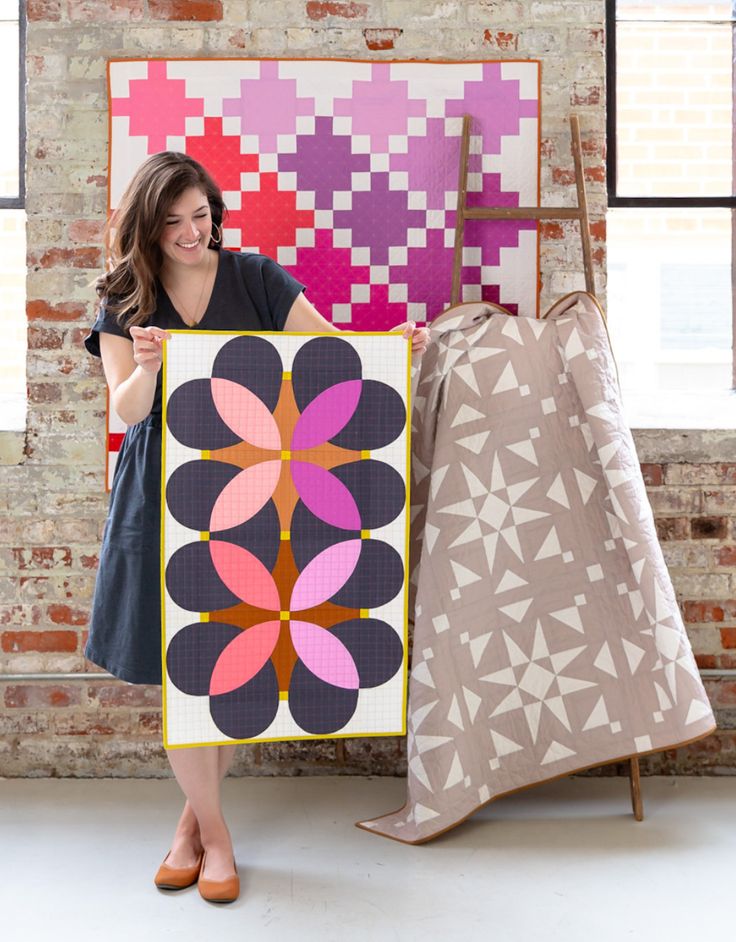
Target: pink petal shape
<point>244,413</point>
<point>326,415</point>
<point>325,495</point>
<point>245,495</point>
<point>244,657</point>
<point>324,655</point>
<point>245,575</point>
<point>325,575</point>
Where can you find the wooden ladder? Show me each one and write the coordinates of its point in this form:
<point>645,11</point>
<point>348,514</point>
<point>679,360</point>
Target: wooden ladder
<point>579,213</point>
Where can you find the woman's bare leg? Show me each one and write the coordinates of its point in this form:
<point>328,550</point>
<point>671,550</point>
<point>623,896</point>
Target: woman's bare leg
<point>199,772</point>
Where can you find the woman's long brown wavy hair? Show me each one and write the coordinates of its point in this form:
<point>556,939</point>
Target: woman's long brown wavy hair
<point>128,287</point>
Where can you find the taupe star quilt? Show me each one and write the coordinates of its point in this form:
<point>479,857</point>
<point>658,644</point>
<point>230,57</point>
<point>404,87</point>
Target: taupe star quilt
<point>547,636</point>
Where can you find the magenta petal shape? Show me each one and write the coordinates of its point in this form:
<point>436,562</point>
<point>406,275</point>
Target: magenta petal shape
<point>244,413</point>
<point>326,415</point>
<point>245,575</point>
<point>325,495</point>
<point>325,575</point>
<point>244,657</point>
<point>324,655</point>
<point>245,495</point>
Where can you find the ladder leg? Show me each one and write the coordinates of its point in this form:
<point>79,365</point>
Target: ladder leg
<point>462,193</point>
<point>635,783</point>
<point>577,153</point>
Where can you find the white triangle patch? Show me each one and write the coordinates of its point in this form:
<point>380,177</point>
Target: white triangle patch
<point>473,702</point>
<point>557,492</point>
<point>510,581</point>
<point>604,661</point>
<point>550,547</point>
<point>474,443</point>
<point>478,646</point>
<point>570,617</point>
<point>465,414</point>
<point>698,710</point>
<point>507,380</point>
<point>456,774</point>
<point>503,745</point>
<point>525,450</point>
<point>599,716</point>
<point>453,714</point>
<point>633,653</point>
<point>556,752</point>
<point>586,484</point>
<point>422,814</point>
<point>463,576</point>
<point>517,610</point>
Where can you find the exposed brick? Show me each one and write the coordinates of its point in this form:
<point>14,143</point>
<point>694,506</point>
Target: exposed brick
<point>348,11</point>
<point>719,501</point>
<point>44,10</point>
<point>86,230</point>
<point>585,94</point>
<point>728,637</point>
<point>66,615</point>
<point>598,230</point>
<point>595,174</point>
<point>42,557</point>
<point>202,10</point>
<point>563,176</point>
<point>378,39</point>
<point>44,392</point>
<point>653,474</point>
<point>727,473</point>
<point>726,556</point>
<point>551,230</point>
<point>148,723</point>
<point>45,338</point>
<point>42,695</point>
<point>672,528</point>
<point>87,257</point>
<point>17,615</point>
<point>708,610</point>
<point>709,528</point>
<point>89,724</point>
<point>57,641</point>
<point>129,695</point>
<point>500,39</point>
<point>93,11</point>
<point>66,311</point>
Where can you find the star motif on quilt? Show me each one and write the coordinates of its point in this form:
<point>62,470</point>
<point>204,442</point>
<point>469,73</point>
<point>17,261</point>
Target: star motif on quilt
<point>380,107</point>
<point>268,218</point>
<point>268,106</point>
<point>537,680</point>
<point>157,106</point>
<point>494,512</point>
<point>222,155</point>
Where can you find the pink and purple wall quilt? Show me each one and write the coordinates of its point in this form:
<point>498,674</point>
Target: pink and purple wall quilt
<point>284,536</point>
<point>346,172</point>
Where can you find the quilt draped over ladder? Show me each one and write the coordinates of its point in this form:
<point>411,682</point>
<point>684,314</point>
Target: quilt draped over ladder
<point>547,636</point>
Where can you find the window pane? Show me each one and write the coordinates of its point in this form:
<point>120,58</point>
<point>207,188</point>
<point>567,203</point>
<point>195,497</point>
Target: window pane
<point>13,318</point>
<point>670,315</point>
<point>9,67</point>
<point>674,94</point>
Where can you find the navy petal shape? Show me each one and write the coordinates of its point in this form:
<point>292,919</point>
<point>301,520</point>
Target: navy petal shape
<point>319,708</point>
<point>192,580</point>
<point>377,650</point>
<point>378,577</point>
<point>321,363</point>
<point>194,487</point>
<point>377,421</point>
<point>193,653</point>
<point>253,362</point>
<point>246,711</point>
<point>193,419</point>
<point>377,488</point>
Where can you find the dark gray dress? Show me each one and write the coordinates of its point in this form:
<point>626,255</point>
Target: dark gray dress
<point>251,292</point>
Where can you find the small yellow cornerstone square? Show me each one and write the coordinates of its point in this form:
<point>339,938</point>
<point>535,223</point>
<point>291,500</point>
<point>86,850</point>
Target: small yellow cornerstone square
<point>284,616</point>
<point>287,377</point>
<point>364,612</point>
<point>204,535</point>
<point>365,534</point>
<point>286,456</point>
<point>286,534</point>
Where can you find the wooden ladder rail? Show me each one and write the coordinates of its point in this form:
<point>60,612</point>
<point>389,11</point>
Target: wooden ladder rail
<point>579,213</point>
<point>465,212</point>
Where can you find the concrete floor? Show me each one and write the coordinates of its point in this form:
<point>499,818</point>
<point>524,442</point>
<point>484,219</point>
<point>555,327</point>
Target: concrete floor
<point>564,861</point>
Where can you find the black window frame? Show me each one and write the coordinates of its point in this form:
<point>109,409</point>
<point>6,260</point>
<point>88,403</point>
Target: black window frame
<point>19,201</point>
<point>614,199</point>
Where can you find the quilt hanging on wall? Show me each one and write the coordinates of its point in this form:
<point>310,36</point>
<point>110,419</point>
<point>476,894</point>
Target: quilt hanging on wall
<point>284,536</point>
<point>346,172</point>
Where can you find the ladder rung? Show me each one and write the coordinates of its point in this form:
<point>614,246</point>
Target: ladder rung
<point>522,212</point>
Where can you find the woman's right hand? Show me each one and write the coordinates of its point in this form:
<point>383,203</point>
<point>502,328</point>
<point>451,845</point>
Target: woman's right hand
<point>147,347</point>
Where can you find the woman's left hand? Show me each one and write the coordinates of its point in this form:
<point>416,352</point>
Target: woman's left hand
<point>419,336</point>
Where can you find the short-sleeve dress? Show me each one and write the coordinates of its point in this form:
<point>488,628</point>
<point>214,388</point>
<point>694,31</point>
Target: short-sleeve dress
<point>250,292</point>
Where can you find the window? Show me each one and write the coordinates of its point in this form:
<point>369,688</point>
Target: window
<point>671,199</point>
<point>12,217</point>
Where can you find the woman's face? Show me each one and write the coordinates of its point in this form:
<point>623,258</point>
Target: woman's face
<point>187,229</point>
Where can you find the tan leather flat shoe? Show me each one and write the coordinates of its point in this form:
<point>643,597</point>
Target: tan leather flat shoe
<point>219,891</point>
<point>177,878</point>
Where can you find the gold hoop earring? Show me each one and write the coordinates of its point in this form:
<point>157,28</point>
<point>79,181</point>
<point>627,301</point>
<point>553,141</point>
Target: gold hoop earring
<point>216,241</point>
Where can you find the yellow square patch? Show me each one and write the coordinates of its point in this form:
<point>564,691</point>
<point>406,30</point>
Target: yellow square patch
<point>204,535</point>
<point>284,616</point>
<point>286,456</point>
